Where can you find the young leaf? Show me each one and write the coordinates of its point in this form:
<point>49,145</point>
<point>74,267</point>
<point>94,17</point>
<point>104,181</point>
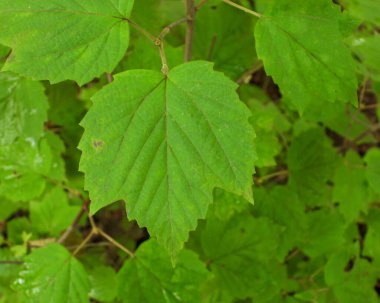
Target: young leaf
<point>52,274</point>
<point>301,47</point>
<point>23,167</point>
<point>311,163</point>
<point>104,283</point>
<point>163,145</point>
<point>23,109</point>
<point>53,214</point>
<point>59,40</point>
<point>149,277</point>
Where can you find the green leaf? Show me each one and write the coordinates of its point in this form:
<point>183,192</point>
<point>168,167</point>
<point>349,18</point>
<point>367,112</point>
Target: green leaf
<point>367,49</point>
<point>23,167</point>
<point>366,10</point>
<point>311,163</point>
<point>301,46</point>
<point>64,40</point>
<point>53,214</point>
<point>355,285</point>
<point>223,35</point>
<point>350,187</point>
<point>150,278</point>
<point>281,204</point>
<point>23,109</point>
<point>372,159</point>
<point>52,274</point>
<point>164,145</point>
<point>266,120</point>
<point>104,283</point>
<point>326,228</point>
<point>239,252</point>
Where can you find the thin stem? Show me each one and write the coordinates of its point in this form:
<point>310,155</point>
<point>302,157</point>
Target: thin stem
<point>247,76</point>
<point>84,242</point>
<point>165,67</point>
<point>166,30</point>
<point>200,4</point>
<point>211,48</point>
<point>109,77</point>
<point>73,225</point>
<point>281,173</point>
<point>363,91</point>
<point>115,243</point>
<point>141,29</point>
<point>369,106</point>
<point>190,18</point>
<point>242,8</point>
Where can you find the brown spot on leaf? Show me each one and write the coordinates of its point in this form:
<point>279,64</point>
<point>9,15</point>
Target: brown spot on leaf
<point>97,144</point>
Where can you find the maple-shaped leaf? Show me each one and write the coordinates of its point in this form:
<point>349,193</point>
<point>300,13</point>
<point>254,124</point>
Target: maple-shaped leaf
<point>163,144</point>
<point>66,39</point>
<point>52,274</point>
<point>302,49</point>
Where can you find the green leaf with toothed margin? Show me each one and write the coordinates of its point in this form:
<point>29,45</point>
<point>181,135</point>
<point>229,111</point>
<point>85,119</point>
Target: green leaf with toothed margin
<point>163,144</point>
<point>302,49</point>
<point>52,274</point>
<point>65,39</point>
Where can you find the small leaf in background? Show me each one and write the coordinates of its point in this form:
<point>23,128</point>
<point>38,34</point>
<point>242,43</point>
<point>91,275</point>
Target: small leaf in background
<point>302,49</point>
<point>45,218</point>
<point>240,254</point>
<point>149,277</point>
<point>23,109</point>
<point>350,187</point>
<point>372,159</point>
<point>311,161</point>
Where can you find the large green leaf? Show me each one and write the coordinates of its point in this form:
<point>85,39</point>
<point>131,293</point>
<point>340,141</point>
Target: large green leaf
<point>52,274</point>
<point>301,46</point>
<point>67,39</point>
<point>149,277</point>
<point>164,144</point>
<point>23,109</point>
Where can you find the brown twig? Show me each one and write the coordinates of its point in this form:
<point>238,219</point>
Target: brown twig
<point>166,30</point>
<point>114,242</point>
<point>281,173</point>
<point>73,225</point>
<point>247,75</point>
<point>190,18</point>
<point>242,8</point>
